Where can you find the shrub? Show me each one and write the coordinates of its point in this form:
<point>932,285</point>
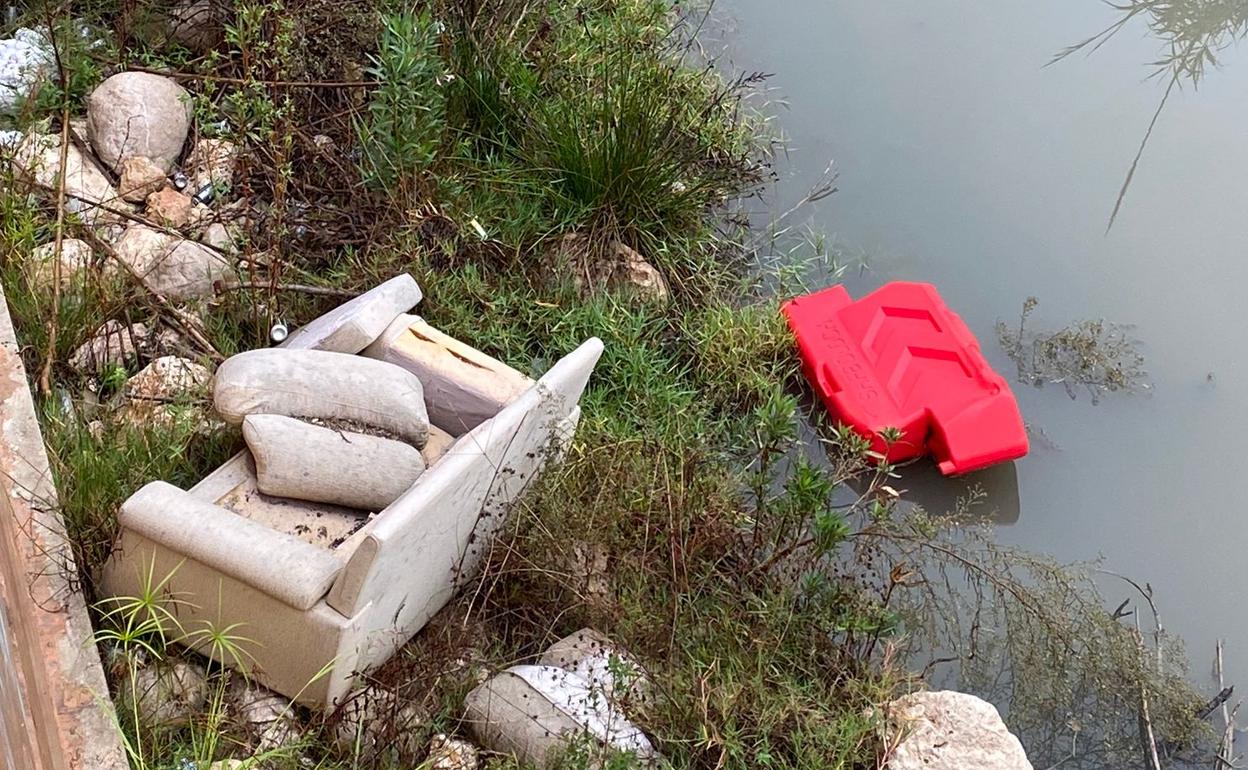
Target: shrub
<point>403,126</point>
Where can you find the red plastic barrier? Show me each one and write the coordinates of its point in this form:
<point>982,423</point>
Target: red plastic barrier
<point>900,358</point>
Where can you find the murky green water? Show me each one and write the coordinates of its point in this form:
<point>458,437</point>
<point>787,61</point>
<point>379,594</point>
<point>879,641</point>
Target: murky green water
<point>965,161</point>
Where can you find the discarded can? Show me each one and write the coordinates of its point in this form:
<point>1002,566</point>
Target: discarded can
<point>279,332</point>
<point>180,180</point>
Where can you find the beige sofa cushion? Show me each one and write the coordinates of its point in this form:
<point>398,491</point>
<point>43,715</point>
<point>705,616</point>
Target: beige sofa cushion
<point>280,565</point>
<point>307,462</point>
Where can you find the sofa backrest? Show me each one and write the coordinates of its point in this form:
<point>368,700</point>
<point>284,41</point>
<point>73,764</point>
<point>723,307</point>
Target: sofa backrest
<point>426,543</point>
<point>463,386</point>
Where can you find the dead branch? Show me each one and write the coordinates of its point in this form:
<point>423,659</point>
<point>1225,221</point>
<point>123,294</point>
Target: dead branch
<point>300,288</point>
<point>1147,737</point>
<point>45,373</point>
<point>181,318</point>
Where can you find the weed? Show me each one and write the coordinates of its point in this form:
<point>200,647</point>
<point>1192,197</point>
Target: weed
<point>401,130</point>
<point>96,471</point>
<point>1094,355</point>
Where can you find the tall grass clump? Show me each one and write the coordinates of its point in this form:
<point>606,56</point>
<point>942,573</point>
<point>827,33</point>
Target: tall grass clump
<point>592,121</point>
<point>624,146</point>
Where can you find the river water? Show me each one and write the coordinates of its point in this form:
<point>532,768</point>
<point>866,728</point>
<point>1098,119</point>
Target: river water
<point>964,161</point>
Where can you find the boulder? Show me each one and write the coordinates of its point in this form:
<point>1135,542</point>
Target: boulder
<point>75,258</point>
<point>308,462</point>
<point>212,163</point>
<point>189,269</point>
<point>350,327</point>
<point>374,721</point>
<point>175,267</point>
<point>167,379</point>
<point>217,236</point>
<point>630,273</point>
<point>138,113</point>
<point>159,394</point>
<point>88,192</point>
<point>268,719</point>
<point>533,712</point>
<point>198,25</point>
<point>169,207</point>
<point>163,694</point>
<point>25,60</point>
<point>325,385</point>
<point>142,247</point>
<point>140,177</point>
<point>950,731</point>
<point>447,753</point>
<point>113,344</point>
<point>618,268</point>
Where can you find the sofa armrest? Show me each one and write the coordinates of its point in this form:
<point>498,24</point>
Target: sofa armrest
<point>283,566</point>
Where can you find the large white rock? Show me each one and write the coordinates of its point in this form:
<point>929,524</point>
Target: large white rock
<point>324,385</point>
<point>188,269</point>
<point>353,325</point>
<point>164,694</point>
<point>949,730</point>
<point>25,59</point>
<point>138,113</point>
<point>374,722</point>
<point>88,193</point>
<point>308,462</point>
<point>113,344</point>
<point>75,257</point>
<point>175,267</point>
<point>447,753</point>
<point>268,718</point>
<point>163,394</point>
<point>197,24</point>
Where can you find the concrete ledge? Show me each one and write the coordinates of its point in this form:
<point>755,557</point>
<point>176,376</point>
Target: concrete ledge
<point>55,712</point>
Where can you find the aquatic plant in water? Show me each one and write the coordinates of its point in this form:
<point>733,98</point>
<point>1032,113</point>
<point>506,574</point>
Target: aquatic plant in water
<point>1092,354</point>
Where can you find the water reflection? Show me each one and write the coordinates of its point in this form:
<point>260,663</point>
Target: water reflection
<point>988,496</point>
<point>1194,33</point>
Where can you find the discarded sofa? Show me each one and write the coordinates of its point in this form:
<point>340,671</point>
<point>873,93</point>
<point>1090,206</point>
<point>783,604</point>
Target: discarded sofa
<point>318,592</point>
